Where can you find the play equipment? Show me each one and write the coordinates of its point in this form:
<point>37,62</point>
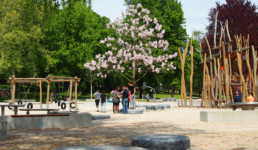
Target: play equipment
<point>226,69</point>
<point>49,79</point>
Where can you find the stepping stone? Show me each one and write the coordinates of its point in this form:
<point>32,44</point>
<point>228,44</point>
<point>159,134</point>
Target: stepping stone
<point>162,142</point>
<point>102,147</point>
<point>3,129</point>
<point>165,106</point>
<point>154,107</point>
<point>141,106</point>
<point>99,117</point>
<point>133,111</point>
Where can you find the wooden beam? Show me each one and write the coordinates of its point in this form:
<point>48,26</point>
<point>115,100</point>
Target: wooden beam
<point>70,93</point>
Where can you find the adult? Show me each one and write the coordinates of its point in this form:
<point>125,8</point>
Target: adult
<point>103,101</point>
<point>125,100</point>
<point>132,95</point>
<point>237,99</point>
<point>97,98</point>
<point>250,97</point>
<point>116,100</point>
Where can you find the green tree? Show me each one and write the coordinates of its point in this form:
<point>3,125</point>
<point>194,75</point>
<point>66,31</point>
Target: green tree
<point>73,37</point>
<point>20,39</point>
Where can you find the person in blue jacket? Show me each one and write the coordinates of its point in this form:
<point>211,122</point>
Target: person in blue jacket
<point>237,99</point>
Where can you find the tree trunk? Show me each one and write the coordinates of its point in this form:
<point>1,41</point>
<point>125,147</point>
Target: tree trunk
<point>90,86</point>
<point>172,91</point>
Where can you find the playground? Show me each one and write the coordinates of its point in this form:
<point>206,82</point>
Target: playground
<point>120,129</point>
<point>138,82</point>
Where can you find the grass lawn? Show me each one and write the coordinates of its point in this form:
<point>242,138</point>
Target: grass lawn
<point>32,95</point>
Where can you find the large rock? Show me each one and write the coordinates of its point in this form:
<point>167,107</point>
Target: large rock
<point>133,111</point>
<point>98,117</point>
<point>162,142</point>
<point>102,147</point>
<point>3,129</point>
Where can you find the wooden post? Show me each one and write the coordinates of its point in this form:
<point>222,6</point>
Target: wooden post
<point>40,93</point>
<point>13,89</point>
<point>75,95</point>
<point>70,94</point>
<point>13,94</point>
<point>183,89</point>
<point>241,76</point>
<point>203,82</point>
<point>254,72</point>
<point>219,80</point>
<point>211,70</point>
<point>216,79</point>
<point>215,29</point>
<point>48,90</point>
<point>191,79</point>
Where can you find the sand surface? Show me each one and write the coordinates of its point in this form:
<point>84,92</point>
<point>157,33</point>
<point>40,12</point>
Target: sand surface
<point>121,128</point>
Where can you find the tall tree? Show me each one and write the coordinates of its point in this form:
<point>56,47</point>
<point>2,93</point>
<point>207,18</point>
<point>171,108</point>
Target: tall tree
<point>169,13</point>
<point>137,48</point>
<point>20,39</point>
<point>242,19</point>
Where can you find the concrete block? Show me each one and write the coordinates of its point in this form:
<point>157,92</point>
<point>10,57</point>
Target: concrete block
<point>102,147</point>
<point>3,129</point>
<point>72,121</point>
<point>228,116</point>
<point>141,106</point>
<point>165,106</point>
<point>162,142</point>
<point>99,117</point>
<point>133,111</point>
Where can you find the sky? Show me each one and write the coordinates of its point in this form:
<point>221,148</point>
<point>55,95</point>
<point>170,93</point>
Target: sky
<point>195,11</point>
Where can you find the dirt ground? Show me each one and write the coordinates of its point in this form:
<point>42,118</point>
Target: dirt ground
<point>121,128</point>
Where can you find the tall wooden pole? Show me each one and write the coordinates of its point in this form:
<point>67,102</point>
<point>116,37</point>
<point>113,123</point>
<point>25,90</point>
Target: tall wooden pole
<point>254,72</point>
<point>70,94</point>
<point>183,88</point>
<point>75,95</point>
<point>40,93</point>
<point>13,89</point>
<point>48,90</point>
<point>191,79</point>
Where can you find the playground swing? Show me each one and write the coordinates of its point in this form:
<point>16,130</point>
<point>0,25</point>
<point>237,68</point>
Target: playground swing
<point>29,105</point>
<point>66,98</point>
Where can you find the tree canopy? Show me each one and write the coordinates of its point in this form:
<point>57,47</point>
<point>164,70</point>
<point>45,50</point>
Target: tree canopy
<point>242,19</point>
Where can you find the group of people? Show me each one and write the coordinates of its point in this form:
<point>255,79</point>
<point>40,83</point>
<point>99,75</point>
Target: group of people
<point>238,98</point>
<point>126,95</point>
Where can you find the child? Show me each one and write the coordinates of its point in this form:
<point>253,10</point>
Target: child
<point>147,97</point>
<point>103,101</point>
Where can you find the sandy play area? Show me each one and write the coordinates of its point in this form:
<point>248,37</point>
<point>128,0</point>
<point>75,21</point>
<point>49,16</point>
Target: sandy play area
<point>120,129</point>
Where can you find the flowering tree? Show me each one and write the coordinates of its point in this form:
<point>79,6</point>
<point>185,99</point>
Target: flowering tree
<point>137,48</point>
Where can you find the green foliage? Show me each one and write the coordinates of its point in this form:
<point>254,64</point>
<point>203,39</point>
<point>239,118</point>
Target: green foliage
<point>20,39</point>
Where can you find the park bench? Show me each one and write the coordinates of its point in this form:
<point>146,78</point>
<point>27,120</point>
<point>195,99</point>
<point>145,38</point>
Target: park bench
<point>48,110</point>
<point>15,106</point>
<point>244,106</point>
